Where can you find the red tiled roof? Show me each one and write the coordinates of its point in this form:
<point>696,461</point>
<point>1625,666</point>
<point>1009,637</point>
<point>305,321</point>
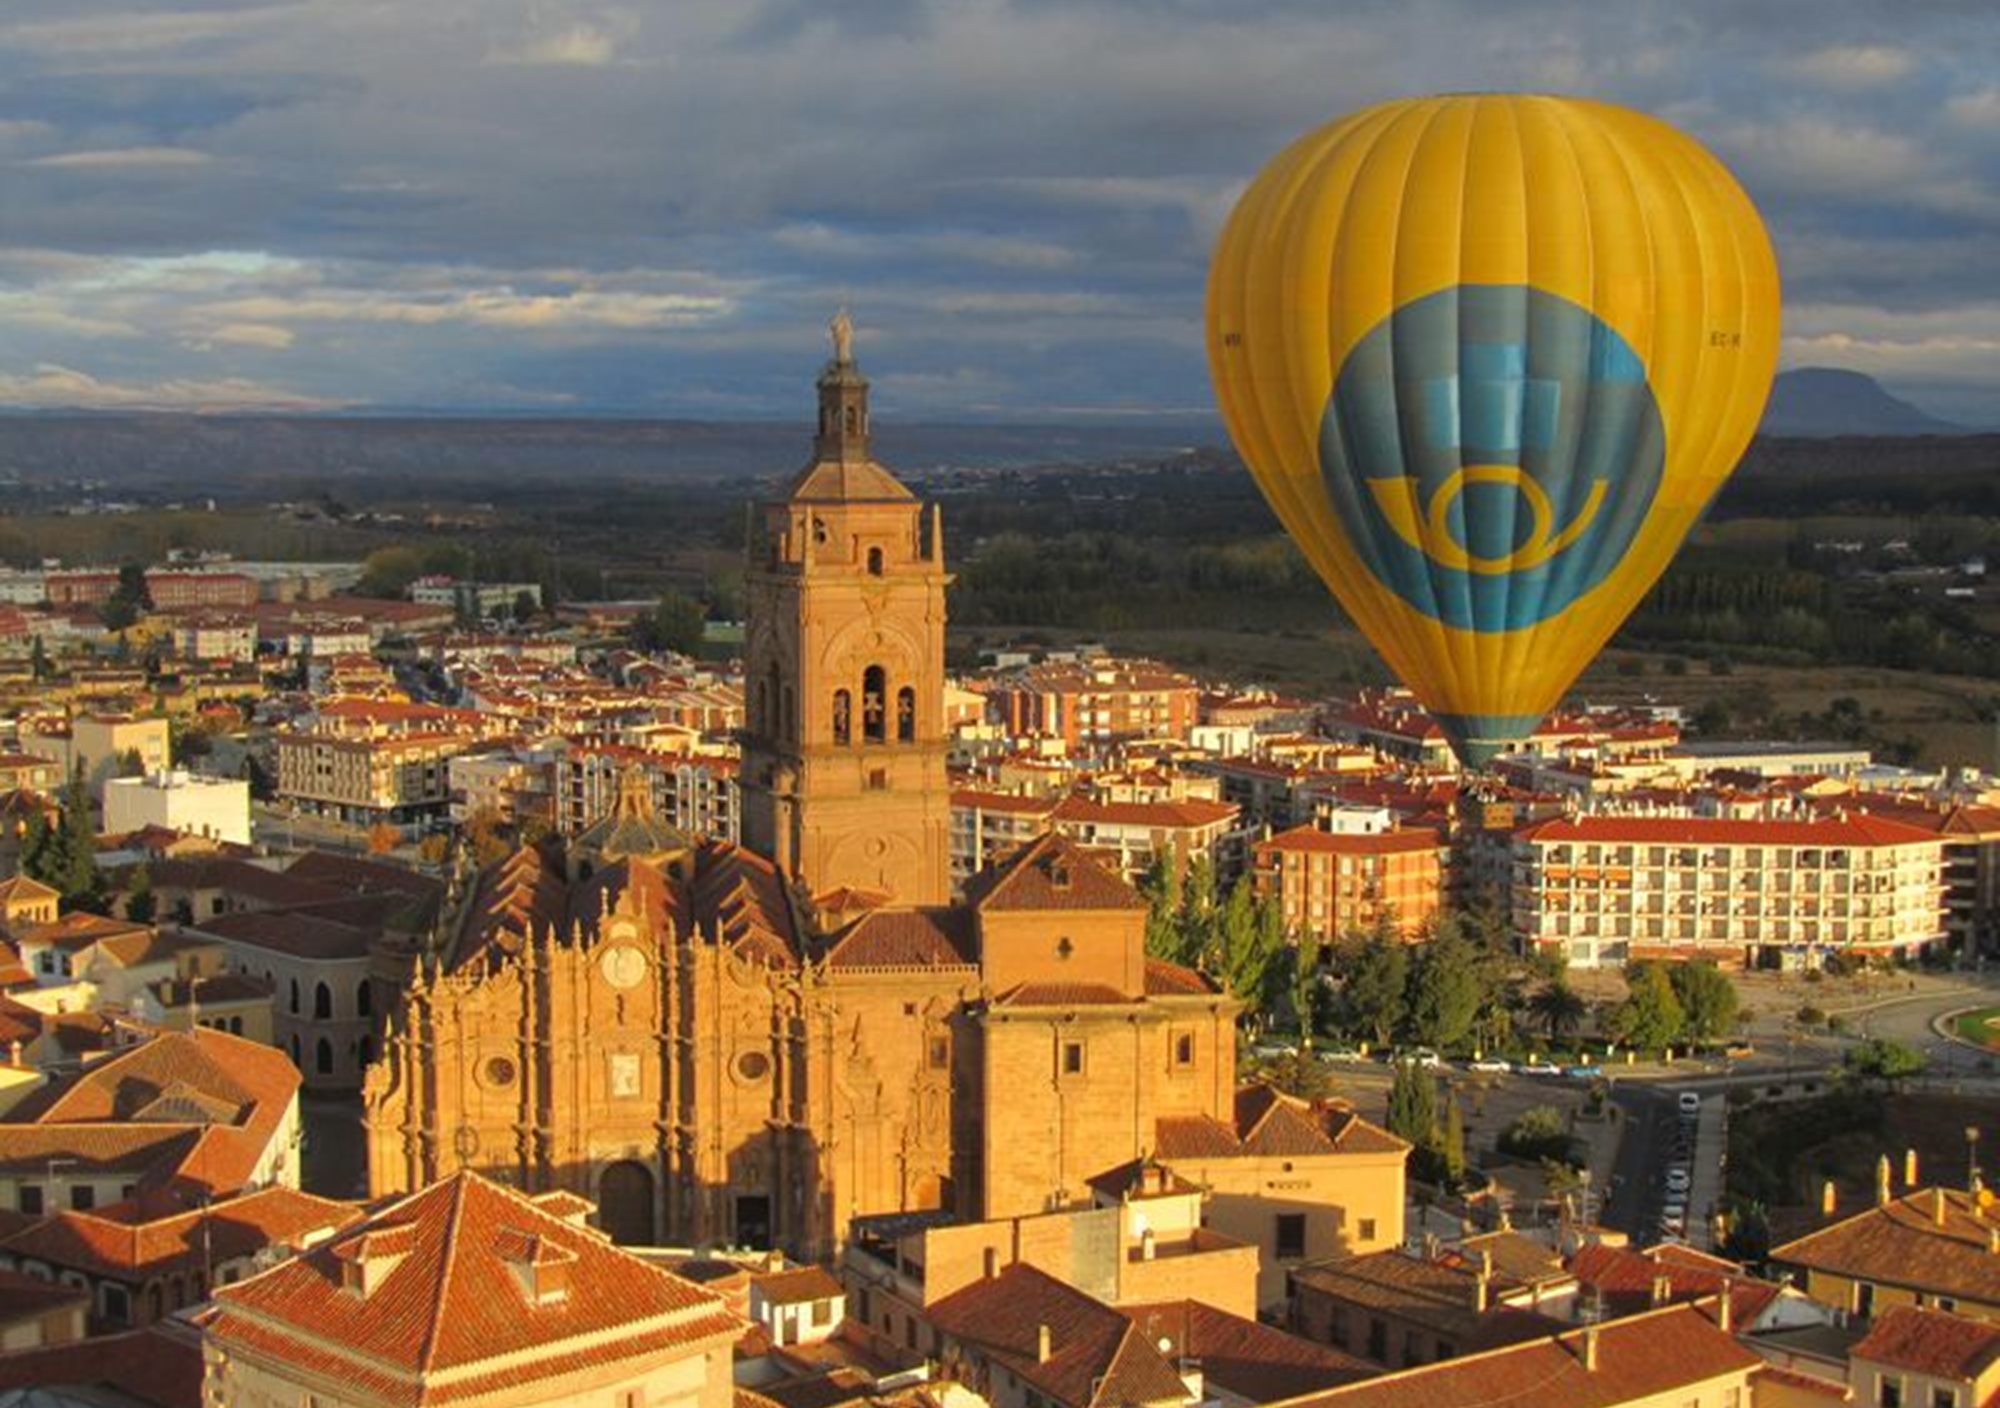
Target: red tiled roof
<point>1096,1355</point>
<point>160,1365</point>
<point>795,1287</point>
<point>1854,829</point>
<point>1625,1276</point>
<point>1934,1342</point>
<point>1255,1362</point>
<point>1164,979</point>
<point>1646,1357</point>
<point>448,1299</point>
<point>938,937</point>
<point>1002,802</point>
<point>1310,840</point>
<point>1051,873</point>
<point>1062,995</point>
<point>1269,1122</point>
<point>1163,815</point>
<point>24,1297</point>
<point>99,1245</point>
<point>1934,1239</point>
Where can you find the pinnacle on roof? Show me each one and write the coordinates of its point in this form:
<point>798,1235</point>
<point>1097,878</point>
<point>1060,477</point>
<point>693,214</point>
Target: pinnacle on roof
<point>842,469</point>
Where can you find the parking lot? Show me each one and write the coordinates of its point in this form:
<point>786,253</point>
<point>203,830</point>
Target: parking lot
<point>1668,1174</point>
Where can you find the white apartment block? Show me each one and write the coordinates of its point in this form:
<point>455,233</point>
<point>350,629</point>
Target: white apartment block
<point>215,807</point>
<point>1608,889</point>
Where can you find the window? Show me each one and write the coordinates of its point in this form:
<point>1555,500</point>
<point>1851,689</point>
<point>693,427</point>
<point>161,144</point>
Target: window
<point>322,1003</point>
<point>940,1053</point>
<point>323,1057</point>
<point>906,715</point>
<point>1184,1048</point>
<point>874,704</point>
<point>1072,1058</point>
<point>82,1197</point>
<point>878,779</point>
<point>874,562</point>
<point>1291,1235</point>
<point>31,1199</point>
<point>1378,1341</point>
<point>1864,1299</point>
<point>1944,1397</point>
<point>821,1313</point>
<point>632,1398</point>
<point>295,996</point>
<point>1889,1391</point>
<point>364,999</point>
<point>1365,1229</point>
<point>1336,1325</point>
<point>117,1304</point>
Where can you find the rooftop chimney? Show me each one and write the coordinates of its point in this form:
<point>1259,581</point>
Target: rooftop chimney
<point>1590,1348</point>
<point>1882,1181</point>
<point>1663,1289</point>
<point>1042,1350</point>
<point>1993,1239</point>
<point>1937,1206</point>
<point>1826,1199</point>
<point>1909,1168</point>
<point>1723,1316</point>
<point>992,1268</point>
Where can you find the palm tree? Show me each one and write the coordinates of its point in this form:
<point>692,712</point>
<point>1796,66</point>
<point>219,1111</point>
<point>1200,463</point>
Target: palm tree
<point>1558,1008</point>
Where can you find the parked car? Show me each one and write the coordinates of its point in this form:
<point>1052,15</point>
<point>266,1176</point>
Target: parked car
<point>1342,1053</point>
<point>1690,1102</point>
<point>1422,1056</point>
<point>1488,1064</point>
<point>1737,1050</point>
<point>1537,1068</point>
<point>1269,1050</point>
<point>1583,1072</point>
<point>1677,1180</point>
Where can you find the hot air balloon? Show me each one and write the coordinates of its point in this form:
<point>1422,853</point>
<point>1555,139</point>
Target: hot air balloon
<point>1489,357</point>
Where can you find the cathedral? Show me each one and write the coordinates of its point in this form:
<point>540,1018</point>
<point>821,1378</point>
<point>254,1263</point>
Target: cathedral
<point>753,1044</point>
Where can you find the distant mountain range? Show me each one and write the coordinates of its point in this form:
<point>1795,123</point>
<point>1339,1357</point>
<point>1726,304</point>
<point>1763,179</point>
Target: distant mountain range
<point>1825,401</point>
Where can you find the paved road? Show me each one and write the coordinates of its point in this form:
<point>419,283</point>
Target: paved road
<point>1656,1138</point>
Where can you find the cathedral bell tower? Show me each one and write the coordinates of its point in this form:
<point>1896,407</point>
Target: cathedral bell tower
<point>843,779</point>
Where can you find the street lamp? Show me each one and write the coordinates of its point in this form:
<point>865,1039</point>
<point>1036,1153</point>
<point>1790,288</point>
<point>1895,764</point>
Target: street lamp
<point>1972,1158</point>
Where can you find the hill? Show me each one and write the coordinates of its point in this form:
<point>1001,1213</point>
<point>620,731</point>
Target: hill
<point>1827,401</point>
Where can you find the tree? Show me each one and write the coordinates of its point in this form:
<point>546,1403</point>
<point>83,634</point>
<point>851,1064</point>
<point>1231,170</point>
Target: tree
<point>1296,1073</point>
<point>1161,887</point>
<point>1413,1112</point>
<point>389,571</point>
<point>1882,1059</point>
<point>1250,947</point>
<point>1650,1017</point>
<point>1378,974</point>
<point>675,624</point>
<point>129,598</point>
<point>1451,1151</point>
<point>64,856</point>
<point>140,902</point>
<point>1558,1009</point>
<point>1448,989</point>
<point>1307,989</point>
<point>483,832</point>
<point>38,660</point>
<point>1538,1132</point>
<point>1708,1000</point>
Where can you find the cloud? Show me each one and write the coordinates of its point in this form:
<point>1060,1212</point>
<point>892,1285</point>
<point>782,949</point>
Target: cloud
<point>253,335</point>
<point>123,157</point>
<point>1852,68</point>
<point>53,386</point>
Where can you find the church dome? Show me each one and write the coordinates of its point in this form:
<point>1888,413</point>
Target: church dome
<point>633,831</point>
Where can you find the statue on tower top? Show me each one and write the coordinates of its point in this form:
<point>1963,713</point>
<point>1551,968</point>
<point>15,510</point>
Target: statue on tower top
<point>843,337</point>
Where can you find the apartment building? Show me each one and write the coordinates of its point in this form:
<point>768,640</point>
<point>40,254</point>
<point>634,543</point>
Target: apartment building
<point>1608,889</point>
<point>1127,835</point>
<point>1329,884</point>
<point>692,792</point>
<point>986,826</point>
<point>1097,702</point>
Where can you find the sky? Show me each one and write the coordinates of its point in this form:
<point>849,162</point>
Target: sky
<point>567,206</point>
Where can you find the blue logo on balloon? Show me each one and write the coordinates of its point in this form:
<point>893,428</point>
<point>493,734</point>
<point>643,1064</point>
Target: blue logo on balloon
<point>1493,451</point>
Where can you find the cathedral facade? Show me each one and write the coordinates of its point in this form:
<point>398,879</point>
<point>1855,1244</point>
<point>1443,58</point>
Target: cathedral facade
<point>753,1044</point>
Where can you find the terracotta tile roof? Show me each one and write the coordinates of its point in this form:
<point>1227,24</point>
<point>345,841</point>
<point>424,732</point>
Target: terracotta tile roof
<point>24,1297</point>
<point>1096,1355</point>
<point>1162,815</point>
<point>1517,1259</point>
<point>1933,1239</point>
<point>353,875</point>
<point>1624,1276</point>
<point>106,1148</point>
<point>795,1287</point>
<point>78,930</point>
<point>1934,1342</point>
<point>22,887</point>
<point>939,937</point>
<point>1441,1295</point>
<point>1165,979</point>
<point>449,1303</point>
<point>1193,1137</point>
<point>1310,840</point>
<point>1255,1362</point>
<point>99,1245</point>
<point>1854,829</point>
<point>292,933</point>
<point>1010,802</point>
<point>243,881</point>
<point>1063,995</point>
<point>1051,873</point>
<point>160,1366</point>
<point>1802,1382</point>
<point>1643,1358</point>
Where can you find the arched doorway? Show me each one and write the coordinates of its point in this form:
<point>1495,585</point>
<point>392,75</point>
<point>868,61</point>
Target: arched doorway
<point>625,1203</point>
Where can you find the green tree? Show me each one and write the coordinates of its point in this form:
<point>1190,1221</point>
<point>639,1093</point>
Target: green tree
<point>1296,1073</point>
<point>1451,1150</point>
<point>1708,1000</point>
<point>38,660</point>
<point>1447,990</point>
<point>141,904</point>
<point>1558,1010</point>
<point>1161,887</point>
<point>1650,1017</point>
<point>1413,1111</point>
<point>388,572</point>
<point>1882,1059</point>
<point>1250,949</point>
<point>675,624</point>
<point>524,605</point>
<point>64,856</point>
<point>1307,990</point>
<point>1538,1132</point>
<point>1378,973</point>
<point>1200,915</point>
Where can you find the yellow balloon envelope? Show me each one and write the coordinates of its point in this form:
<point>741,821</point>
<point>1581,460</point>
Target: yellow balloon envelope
<point>1489,357</point>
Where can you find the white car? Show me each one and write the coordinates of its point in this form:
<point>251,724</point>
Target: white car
<point>1537,1068</point>
<point>1690,1103</point>
<point>1677,1180</point>
<point>1422,1056</point>
<point>1489,1064</point>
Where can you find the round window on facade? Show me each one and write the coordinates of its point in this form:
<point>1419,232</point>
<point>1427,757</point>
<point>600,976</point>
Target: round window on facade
<point>752,1065</point>
<point>499,1071</point>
